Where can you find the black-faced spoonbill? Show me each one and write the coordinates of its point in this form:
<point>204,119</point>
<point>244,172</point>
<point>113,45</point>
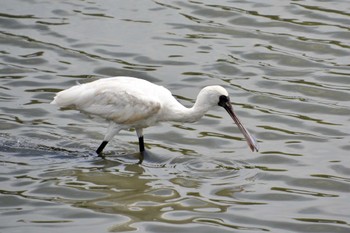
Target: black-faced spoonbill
<point>128,102</point>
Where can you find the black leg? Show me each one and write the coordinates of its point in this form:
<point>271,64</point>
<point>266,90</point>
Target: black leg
<point>101,147</point>
<point>142,149</point>
<point>141,144</point>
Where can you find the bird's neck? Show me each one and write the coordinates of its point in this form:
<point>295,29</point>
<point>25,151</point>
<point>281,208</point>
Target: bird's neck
<point>181,113</point>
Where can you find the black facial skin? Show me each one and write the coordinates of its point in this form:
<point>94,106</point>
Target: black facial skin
<point>223,100</point>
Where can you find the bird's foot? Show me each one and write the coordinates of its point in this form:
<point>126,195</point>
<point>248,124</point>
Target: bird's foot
<point>143,156</point>
<point>101,155</point>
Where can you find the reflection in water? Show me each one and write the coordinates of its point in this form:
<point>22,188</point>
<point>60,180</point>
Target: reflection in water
<point>285,64</point>
<point>183,185</point>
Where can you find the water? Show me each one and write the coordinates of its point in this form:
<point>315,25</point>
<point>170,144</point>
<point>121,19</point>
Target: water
<point>284,63</point>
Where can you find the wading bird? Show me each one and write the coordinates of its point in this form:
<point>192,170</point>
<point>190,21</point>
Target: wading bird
<point>128,102</point>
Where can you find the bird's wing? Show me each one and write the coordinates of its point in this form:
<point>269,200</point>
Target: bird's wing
<point>123,100</point>
<point>122,107</point>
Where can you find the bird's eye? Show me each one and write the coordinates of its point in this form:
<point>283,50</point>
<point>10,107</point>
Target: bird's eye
<point>223,99</point>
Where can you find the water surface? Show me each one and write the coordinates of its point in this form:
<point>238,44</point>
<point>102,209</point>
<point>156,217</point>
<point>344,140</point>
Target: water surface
<point>284,63</point>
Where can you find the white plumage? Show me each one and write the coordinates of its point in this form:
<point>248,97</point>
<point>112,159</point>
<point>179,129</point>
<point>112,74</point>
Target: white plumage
<point>128,102</point>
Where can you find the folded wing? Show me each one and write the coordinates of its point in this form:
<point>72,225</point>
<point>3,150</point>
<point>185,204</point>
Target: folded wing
<point>118,102</point>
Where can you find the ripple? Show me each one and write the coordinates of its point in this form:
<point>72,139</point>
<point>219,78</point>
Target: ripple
<point>214,169</point>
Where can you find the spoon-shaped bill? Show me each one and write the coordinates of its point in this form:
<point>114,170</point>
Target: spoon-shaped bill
<point>253,144</point>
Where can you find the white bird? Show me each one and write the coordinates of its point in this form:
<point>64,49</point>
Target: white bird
<point>128,102</point>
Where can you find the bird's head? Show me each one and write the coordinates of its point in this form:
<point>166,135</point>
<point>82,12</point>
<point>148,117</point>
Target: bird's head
<point>218,96</point>
<point>210,95</point>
